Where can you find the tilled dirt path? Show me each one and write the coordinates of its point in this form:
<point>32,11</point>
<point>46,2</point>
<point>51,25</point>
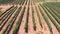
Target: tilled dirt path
<point>30,24</point>
<point>36,20</point>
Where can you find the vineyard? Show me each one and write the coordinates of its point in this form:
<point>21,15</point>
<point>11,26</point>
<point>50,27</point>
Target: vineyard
<point>29,16</point>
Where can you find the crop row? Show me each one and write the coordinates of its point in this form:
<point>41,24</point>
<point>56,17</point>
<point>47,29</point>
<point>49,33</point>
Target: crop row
<point>16,27</point>
<point>7,10</point>
<point>10,23</point>
<point>46,19</point>
<point>39,16</point>
<point>6,1</point>
<point>54,15</point>
<point>33,19</point>
<point>51,17</point>
<point>55,9</point>
<point>5,21</point>
<point>26,23</point>
<point>7,14</point>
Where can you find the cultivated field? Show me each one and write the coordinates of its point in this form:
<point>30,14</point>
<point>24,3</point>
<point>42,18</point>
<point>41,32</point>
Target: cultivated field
<point>29,17</point>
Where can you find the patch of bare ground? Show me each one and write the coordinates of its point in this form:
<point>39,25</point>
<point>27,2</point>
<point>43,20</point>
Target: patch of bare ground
<point>30,24</point>
<point>4,7</point>
<point>41,31</point>
<point>4,13</point>
<point>38,3</point>
<point>52,0</point>
<point>36,20</point>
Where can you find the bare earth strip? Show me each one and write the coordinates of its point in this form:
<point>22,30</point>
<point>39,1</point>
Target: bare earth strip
<point>36,20</point>
<point>4,7</point>
<point>5,13</point>
<point>30,24</point>
<point>41,28</point>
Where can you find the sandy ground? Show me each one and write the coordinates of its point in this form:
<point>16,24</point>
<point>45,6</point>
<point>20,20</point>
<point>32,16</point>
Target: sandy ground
<point>52,0</point>
<point>30,23</point>
<point>3,14</point>
<point>38,27</point>
<point>4,7</point>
